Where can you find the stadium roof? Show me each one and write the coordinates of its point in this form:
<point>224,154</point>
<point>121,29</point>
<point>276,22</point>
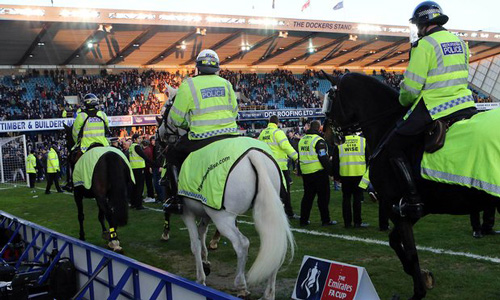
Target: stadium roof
<point>116,38</point>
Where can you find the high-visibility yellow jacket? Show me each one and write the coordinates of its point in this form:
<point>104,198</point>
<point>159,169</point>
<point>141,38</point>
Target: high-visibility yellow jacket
<point>31,163</point>
<point>136,162</point>
<point>352,156</point>
<point>365,180</point>
<point>279,144</point>
<point>437,73</point>
<point>207,106</point>
<point>308,157</point>
<point>94,129</point>
<point>52,161</point>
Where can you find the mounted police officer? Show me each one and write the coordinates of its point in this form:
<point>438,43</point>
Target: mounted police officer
<point>206,106</point>
<point>91,125</point>
<point>435,90</point>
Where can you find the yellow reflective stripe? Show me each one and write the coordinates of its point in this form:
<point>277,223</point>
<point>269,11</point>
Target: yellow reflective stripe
<point>228,85</point>
<point>215,108</point>
<point>212,122</point>
<point>414,77</point>
<point>445,83</point>
<point>437,51</point>
<point>409,89</point>
<point>448,69</point>
<point>193,92</point>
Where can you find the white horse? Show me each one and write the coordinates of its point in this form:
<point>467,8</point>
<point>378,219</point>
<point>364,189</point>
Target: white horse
<point>255,180</point>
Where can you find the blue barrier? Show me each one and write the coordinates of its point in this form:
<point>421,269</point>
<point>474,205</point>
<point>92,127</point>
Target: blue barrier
<point>102,274</point>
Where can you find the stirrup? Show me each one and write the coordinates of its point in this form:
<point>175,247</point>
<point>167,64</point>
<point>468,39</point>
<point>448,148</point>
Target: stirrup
<point>173,205</point>
<point>412,210</point>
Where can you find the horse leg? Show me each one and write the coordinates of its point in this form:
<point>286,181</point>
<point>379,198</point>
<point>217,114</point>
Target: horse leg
<point>202,233</point>
<point>114,242</point>
<point>79,205</point>
<point>410,258</point>
<point>214,242</point>
<point>269,293</point>
<point>100,217</point>
<point>165,236</point>
<point>227,227</point>
<point>190,221</point>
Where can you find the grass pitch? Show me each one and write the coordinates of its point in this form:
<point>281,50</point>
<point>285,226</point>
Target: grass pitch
<point>457,276</point>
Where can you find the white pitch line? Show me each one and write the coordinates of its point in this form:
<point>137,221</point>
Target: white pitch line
<point>383,243</point>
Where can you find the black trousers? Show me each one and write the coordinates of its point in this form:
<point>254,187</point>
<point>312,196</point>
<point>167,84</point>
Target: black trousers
<point>351,190</point>
<point>32,179</point>
<point>488,220</point>
<point>148,177</point>
<point>52,178</point>
<point>285,195</point>
<point>315,184</point>
<point>137,188</point>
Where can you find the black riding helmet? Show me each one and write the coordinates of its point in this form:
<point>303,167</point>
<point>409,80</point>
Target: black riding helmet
<point>428,12</point>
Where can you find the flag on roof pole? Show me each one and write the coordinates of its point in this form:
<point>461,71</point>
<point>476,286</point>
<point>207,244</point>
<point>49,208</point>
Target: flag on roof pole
<point>306,5</point>
<point>339,5</point>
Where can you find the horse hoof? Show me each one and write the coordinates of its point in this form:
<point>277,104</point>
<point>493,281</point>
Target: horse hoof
<point>213,245</point>
<point>244,295</point>
<point>115,246</point>
<point>206,268</point>
<point>105,235</point>
<point>165,237</point>
<point>428,278</point>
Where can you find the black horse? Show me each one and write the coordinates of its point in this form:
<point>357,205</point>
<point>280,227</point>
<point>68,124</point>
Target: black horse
<point>360,102</point>
<point>109,187</point>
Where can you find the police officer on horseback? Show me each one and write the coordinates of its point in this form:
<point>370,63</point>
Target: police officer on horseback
<point>435,90</point>
<point>205,106</point>
<point>90,127</point>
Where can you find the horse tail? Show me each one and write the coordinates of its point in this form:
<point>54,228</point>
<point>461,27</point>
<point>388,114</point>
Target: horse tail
<point>270,222</point>
<point>118,178</point>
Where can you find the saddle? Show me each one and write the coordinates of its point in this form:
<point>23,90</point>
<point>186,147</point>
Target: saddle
<point>435,136</point>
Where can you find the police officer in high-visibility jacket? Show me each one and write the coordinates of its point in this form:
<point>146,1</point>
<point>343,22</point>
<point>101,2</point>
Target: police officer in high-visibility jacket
<point>206,106</point>
<point>351,158</point>
<point>91,125</point>
<point>434,88</point>
<point>31,169</point>
<point>282,150</point>
<point>52,170</point>
<point>315,167</point>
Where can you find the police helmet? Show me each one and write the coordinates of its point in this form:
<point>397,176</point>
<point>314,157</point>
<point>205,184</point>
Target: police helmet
<point>428,12</point>
<point>207,62</point>
<point>90,101</point>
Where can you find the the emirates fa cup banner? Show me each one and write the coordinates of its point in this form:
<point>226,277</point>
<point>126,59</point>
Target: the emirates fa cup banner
<point>321,279</point>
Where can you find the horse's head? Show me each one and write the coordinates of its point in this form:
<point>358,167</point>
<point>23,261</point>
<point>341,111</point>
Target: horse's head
<point>167,133</point>
<point>340,117</point>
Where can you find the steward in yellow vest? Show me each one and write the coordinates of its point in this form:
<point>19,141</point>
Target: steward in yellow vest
<point>31,169</point>
<point>435,88</point>
<point>138,161</point>
<point>91,125</point>
<point>314,164</point>
<point>205,106</point>
<point>276,139</point>
<point>52,170</point>
<point>351,158</point>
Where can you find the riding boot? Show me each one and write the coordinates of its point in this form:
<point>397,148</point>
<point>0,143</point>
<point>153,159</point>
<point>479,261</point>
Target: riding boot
<point>410,205</point>
<point>173,203</point>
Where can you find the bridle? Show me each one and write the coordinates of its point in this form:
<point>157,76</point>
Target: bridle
<point>340,131</point>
